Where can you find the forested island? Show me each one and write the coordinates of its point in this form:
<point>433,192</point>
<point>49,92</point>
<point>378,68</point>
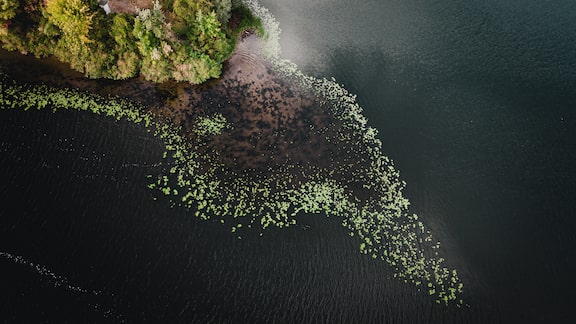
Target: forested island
<point>183,40</point>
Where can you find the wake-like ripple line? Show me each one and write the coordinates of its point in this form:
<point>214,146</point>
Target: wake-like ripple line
<point>63,282</point>
<point>54,279</point>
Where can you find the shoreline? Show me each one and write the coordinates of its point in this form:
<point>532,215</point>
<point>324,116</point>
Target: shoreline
<point>274,121</point>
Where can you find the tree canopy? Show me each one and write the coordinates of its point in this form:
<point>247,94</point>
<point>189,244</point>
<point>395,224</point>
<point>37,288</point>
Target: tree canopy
<point>185,40</point>
<point>8,9</point>
<point>73,17</point>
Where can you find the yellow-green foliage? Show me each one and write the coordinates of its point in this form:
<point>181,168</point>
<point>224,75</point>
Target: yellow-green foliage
<point>188,45</point>
<point>186,10</point>
<point>73,17</point>
<point>8,9</point>
<point>207,37</point>
<point>127,57</point>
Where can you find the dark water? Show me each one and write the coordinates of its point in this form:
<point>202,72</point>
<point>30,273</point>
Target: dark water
<point>475,102</point>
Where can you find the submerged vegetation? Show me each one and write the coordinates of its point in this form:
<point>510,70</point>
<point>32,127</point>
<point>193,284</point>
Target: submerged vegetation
<point>364,189</point>
<point>185,40</point>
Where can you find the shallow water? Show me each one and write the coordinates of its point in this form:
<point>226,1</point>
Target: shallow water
<point>474,102</point>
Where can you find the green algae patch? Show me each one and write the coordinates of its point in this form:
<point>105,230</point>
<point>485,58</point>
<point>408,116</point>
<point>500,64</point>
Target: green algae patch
<point>210,125</point>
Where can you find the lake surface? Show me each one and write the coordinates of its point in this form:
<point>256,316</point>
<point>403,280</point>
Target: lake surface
<point>475,103</point>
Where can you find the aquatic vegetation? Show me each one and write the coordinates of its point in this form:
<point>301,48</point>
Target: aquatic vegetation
<point>210,125</point>
<point>364,190</point>
<point>271,28</point>
<point>39,97</point>
<point>382,221</point>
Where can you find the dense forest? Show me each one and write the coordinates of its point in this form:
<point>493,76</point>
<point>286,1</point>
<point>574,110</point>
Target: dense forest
<point>185,40</point>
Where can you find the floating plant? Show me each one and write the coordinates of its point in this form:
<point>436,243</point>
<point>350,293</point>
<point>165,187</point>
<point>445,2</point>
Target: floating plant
<point>359,184</point>
<point>210,125</point>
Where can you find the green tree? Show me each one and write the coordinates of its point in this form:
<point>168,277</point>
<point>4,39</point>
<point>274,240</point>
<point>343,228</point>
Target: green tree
<point>149,29</point>
<point>127,58</point>
<point>194,67</point>
<point>83,42</point>
<point>127,65</point>
<point>120,46</point>
<point>222,8</point>
<point>184,14</point>
<point>121,31</point>
<point>207,37</point>
<point>186,9</point>
<point>153,43</point>
<point>73,17</point>
<point>27,30</point>
<point>8,9</point>
<point>74,20</point>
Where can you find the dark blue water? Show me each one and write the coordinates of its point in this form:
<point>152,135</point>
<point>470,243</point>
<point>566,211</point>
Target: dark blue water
<point>475,102</point>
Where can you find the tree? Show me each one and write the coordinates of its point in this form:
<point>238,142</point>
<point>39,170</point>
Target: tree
<point>26,30</point>
<point>207,37</point>
<point>186,9</point>
<point>194,67</point>
<point>8,9</point>
<point>127,58</point>
<point>120,46</point>
<point>222,8</point>
<point>73,17</point>
<point>83,43</point>
<point>152,33</point>
<point>121,31</point>
<point>149,29</point>
<point>184,14</point>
